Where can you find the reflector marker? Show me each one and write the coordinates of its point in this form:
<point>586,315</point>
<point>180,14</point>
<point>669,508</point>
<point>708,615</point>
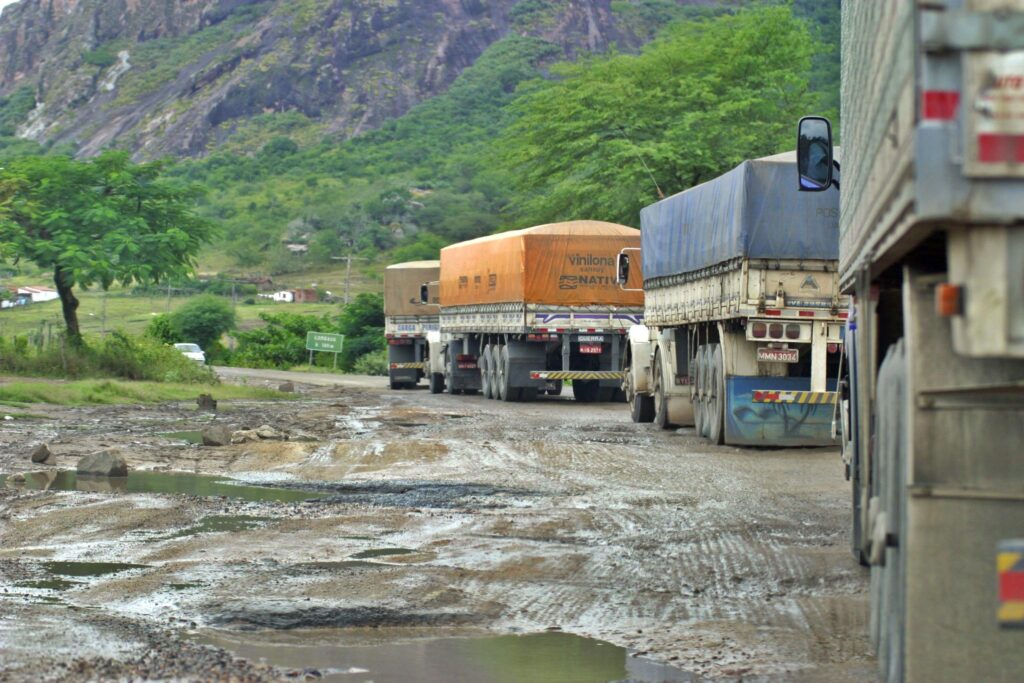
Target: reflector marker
<point>577,374</point>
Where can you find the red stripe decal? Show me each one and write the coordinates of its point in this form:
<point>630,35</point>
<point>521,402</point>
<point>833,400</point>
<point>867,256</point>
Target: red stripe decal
<point>940,105</point>
<point>1011,586</point>
<point>994,148</point>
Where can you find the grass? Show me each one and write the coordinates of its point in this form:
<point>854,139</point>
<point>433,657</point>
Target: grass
<point>131,314</point>
<point>20,394</point>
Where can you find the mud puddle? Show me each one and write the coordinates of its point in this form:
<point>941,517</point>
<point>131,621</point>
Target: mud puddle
<point>190,437</point>
<point>364,657</point>
<point>161,482</point>
<point>381,552</point>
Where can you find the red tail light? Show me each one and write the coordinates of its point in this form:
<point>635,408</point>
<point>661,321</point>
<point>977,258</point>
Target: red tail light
<point>775,330</point>
<point>758,330</point>
<point>792,331</point>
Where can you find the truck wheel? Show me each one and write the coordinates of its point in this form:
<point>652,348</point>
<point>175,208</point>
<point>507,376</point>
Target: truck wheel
<point>586,391</point>
<point>641,408</point>
<point>556,390</point>
<point>485,372</point>
<point>500,390</point>
<point>659,399</point>
<point>436,383</point>
<point>695,389</point>
<point>702,378</point>
<point>715,417</point>
<point>449,380</point>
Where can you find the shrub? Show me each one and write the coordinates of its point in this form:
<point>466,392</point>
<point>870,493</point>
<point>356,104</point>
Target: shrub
<point>161,329</point>
<point>373,363</point>
<point>202,320</point>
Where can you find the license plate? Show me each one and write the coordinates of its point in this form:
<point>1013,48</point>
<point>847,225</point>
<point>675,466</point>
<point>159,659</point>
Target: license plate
<point>590,348</point>
<point>583,338</point>
<point>778,355</point>
<point>466,366</point>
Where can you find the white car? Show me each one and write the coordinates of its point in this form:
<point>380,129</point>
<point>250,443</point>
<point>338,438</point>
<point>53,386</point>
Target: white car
<point>192,352</point>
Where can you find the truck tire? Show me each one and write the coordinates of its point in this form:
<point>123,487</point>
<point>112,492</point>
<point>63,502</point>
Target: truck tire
<point>715,413</point>
<point>705,360</point>
<point>586,391</point>
<point>641,406</point>
<point>695,388</point>
<point>659,398</point>
<point>556,390</point>
<point>498,354</point>
<point>436,383</point>
<point>486,377</point>
<point>449,381</point>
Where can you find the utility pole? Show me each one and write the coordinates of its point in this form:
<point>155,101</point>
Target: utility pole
<point>348,271</point>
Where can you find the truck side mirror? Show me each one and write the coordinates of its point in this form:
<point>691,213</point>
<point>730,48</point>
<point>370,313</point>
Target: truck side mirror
<point>814,154</point>
<point>424,294</point>
<point>622,268</point>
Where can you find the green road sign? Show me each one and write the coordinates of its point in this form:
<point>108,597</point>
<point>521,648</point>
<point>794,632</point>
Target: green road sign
<point>324,341</point>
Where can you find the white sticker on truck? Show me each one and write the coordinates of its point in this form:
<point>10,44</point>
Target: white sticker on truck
<point>766,355</point>
<point>995,113</point>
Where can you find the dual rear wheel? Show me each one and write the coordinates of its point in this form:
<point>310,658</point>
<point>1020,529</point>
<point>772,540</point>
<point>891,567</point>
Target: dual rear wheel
<point>708,393</point>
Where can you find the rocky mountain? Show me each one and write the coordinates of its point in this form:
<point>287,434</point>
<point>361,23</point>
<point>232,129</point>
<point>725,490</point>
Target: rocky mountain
<point>181,77</point>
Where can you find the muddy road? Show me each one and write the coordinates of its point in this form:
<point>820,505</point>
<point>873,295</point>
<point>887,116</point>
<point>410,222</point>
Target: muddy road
<point>400,536</point>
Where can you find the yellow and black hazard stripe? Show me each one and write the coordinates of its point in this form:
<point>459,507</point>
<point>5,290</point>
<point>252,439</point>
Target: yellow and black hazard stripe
<point>813,398</point>
<point>408,366</point>
<point>577,374</point>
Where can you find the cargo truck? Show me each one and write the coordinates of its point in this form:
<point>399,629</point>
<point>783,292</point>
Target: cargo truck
<point>407,320</point>
<point>932,248</point>
<point>743,313</point>
<point>525,310</point>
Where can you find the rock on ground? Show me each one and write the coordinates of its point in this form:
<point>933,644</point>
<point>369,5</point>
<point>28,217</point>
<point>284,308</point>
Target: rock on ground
<point>216,435</point>
<point>41,454</point>
<point>103,464</point>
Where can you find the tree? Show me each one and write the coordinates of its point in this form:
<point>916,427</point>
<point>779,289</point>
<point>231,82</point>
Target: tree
<point>202,320</point>
<point>99,222</point>
<point>362,323</point>
<point>697,101</point>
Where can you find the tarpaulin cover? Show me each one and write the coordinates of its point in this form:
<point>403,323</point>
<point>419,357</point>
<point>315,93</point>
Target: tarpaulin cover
<point>753,211</point>
<point>561,264</point>
<point>402,282</point>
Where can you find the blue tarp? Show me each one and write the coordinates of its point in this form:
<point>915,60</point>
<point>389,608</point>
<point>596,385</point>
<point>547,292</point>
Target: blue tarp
<point>753,211</point>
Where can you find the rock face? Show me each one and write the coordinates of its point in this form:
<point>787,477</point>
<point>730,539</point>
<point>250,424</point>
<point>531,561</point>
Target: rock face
<point>103,464</point>
<point>42,455</point>
<point>217,435</point>
<point>180,76</point>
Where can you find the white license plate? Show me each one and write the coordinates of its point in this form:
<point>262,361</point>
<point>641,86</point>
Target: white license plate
<point>584,338</point>
<point>590,348</point>
<point>778,355</point>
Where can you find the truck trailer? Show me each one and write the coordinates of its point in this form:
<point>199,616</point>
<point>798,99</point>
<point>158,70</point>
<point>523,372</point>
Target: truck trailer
<point>525,310</point>
<point>744,317</point>
<point>932,248</point>
<point>407,319</point>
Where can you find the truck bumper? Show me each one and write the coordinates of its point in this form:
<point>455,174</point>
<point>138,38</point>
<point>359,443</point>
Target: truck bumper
<point>777,411</point>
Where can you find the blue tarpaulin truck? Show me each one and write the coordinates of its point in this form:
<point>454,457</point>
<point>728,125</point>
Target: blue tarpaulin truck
<point>743,313</point>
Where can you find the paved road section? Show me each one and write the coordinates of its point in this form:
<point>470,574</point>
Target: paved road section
<point>428,516</point>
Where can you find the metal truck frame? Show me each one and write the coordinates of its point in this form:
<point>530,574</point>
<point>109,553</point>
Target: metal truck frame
<point>932,248</point>
<point>406,336</point>
<point>717,344</point>
<point>514,352</point>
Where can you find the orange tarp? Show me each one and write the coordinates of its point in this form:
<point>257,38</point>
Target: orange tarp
<point>402,282</point>
<point>561,264</point>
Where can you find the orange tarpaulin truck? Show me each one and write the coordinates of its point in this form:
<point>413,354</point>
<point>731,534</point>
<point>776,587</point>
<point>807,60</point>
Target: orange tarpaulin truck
<point>522,311</point>
<point>407,319</point>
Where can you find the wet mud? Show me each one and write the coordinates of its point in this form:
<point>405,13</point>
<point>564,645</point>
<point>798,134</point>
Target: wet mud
<point>422,529</point>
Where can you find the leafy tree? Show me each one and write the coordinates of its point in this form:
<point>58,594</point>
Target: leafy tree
<point>698,100</point>
<point>202,320</point>
<point>99,222</point>
<point>281,343</point>
<point>362,323</point>
<point>162,329</point>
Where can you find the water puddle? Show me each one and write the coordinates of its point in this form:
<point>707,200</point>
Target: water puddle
<point>219,524</point>
<point>161,482</point>
<point>49,584</point>
<point>195,437</point>
<point>359,656</point>
<point>381,552</point>
<point>80,569</point>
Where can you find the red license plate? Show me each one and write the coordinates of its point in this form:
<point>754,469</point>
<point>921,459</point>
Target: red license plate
<point>590,348</point>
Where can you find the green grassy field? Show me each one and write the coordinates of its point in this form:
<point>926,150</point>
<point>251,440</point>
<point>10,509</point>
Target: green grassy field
<point>23,393</point>
<point>131,313</point>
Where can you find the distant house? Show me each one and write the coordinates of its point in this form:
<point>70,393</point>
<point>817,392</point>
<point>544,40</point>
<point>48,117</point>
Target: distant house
<point>306,296</point>
<point>38,294</point>
<point>297,248</point>
<point>285,296</point>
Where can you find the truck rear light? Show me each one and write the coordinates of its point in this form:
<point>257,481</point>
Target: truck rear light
<point>399,342</point>
<point>792,331</point>
<point>758,330</point>
<point>775,330</point>
<point>833,347</point>
<point>939,105</point>
<point>806,314</point>
<point>465,357</point>
<point>772,311</point>
<point>949,300</point>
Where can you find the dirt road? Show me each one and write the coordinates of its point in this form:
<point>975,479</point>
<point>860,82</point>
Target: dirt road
<point>391,519</point>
